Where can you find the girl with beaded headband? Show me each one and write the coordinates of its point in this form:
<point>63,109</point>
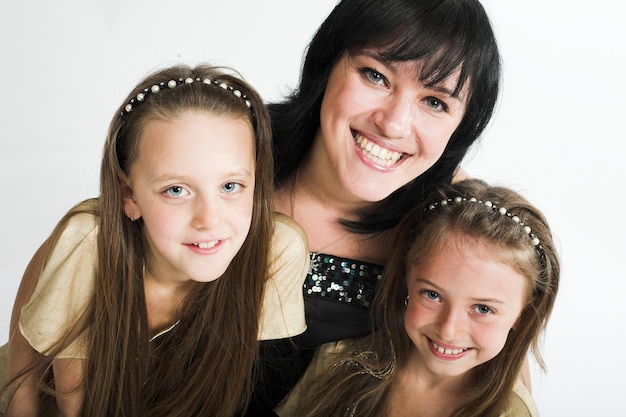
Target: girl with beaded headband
<point>151,298</point>
<point>469,289</point>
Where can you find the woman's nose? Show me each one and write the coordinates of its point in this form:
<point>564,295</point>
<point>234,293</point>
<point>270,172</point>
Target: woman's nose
<point>394,118</point>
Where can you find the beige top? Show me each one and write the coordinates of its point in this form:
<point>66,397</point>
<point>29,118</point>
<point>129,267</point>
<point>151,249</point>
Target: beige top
<point>67,281</point>
<point>521,403</point>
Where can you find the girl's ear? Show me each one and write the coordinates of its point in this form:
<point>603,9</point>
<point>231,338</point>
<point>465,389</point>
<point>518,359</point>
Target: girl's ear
<point>131,209</point>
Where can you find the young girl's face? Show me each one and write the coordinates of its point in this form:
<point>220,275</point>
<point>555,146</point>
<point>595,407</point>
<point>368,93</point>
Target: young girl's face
<point>462,305</point>
<point>381,127</point>
<point>193,185</point>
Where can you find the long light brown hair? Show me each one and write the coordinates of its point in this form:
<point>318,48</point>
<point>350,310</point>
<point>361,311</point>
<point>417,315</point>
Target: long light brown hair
<point>359,382</point>
<point>205,365</point>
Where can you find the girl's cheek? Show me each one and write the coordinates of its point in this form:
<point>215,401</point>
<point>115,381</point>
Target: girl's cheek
<point>414,315</point>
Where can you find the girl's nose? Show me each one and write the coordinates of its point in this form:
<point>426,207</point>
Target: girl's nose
<point>451,324</point>
<point>206,214</point>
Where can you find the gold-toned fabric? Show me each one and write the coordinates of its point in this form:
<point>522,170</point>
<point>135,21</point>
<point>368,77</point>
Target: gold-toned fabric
<point>282,313</point>
<point>521,403</point>
<point>63,289</point>
<point>67,281</point>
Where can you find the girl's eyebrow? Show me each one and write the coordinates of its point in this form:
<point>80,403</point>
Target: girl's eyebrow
<point>168,176</point>
<point>427,282</point>
<point>476,300</point>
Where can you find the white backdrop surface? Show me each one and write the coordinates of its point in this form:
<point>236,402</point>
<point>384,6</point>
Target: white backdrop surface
<point>557,137</point>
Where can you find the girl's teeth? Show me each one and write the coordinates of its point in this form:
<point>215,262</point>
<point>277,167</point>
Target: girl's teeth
<point>447,351</point>
<point>375,153</point>
<point>205,245</point>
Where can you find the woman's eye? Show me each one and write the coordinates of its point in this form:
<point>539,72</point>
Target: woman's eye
<point>436,104</point>
<point>231,187</point>
<point>374,76</point>
<point>483,309</point>
<point>176,191</point>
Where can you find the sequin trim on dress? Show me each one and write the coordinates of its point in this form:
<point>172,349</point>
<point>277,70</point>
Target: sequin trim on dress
<point>342,280</point>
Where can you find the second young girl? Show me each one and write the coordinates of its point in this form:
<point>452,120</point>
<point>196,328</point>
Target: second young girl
<point>192,268</point>
<point>471,283</point>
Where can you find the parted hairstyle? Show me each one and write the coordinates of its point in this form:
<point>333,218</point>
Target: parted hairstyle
<point>366,369</point>
<point>443,36</point>
<point>205,364</point>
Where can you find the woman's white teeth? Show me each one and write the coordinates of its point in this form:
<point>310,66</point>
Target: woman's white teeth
<point>447,351</point>
<point>375,153</point>
<point>206,245</point>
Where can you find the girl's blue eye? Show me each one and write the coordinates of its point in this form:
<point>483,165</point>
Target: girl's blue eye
<point>231,187</point>
<point>176,191</point>
<point>431,295</point>
<point>483,309</point>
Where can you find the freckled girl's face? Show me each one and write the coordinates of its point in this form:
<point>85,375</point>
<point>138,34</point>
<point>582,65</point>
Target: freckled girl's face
<point>462,305</point>
<point>193,186</point>
<point>381,127</point>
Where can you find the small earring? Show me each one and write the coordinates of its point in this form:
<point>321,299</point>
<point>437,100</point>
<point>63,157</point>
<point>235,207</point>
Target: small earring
<point>132,215</point>
<point>406,301</point>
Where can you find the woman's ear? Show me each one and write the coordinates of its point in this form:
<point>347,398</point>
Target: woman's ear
<point>131,209</point>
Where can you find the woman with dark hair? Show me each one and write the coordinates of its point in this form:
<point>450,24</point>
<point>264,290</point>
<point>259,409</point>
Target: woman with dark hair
<point>390,99</point>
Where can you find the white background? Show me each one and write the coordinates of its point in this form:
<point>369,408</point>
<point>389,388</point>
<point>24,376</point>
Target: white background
<point>557,137</point>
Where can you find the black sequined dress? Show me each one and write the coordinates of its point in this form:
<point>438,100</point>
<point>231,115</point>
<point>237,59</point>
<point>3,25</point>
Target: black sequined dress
<point>337,296</point>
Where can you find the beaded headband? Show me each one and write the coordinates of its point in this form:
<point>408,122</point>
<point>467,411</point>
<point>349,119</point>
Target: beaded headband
<point>141,96</point>
<point>503,211</point>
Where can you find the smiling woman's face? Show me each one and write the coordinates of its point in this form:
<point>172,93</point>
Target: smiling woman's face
<point>381,127</point>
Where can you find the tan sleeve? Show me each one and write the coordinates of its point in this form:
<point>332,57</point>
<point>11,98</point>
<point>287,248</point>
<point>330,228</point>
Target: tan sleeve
<point>323,360</point>
<point>282,313</point>
<point>64,289</point>
<point>521,403</point>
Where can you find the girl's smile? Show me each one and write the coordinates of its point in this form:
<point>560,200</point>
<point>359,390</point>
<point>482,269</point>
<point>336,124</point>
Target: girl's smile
<point>463,302</point>
<point>447,352</point>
